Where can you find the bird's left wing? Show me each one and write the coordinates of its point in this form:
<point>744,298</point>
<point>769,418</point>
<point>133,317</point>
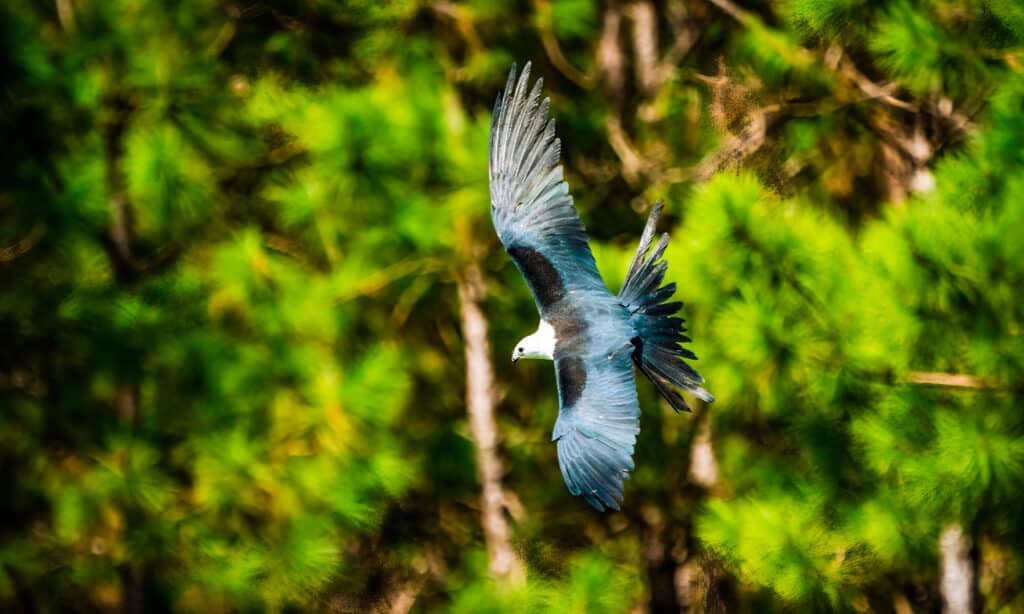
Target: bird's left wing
<point>598,420</point>
<point>531,206</point>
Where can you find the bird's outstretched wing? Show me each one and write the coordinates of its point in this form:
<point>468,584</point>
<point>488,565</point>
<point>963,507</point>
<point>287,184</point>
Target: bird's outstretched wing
<point>597,426</point>
<point>535,219</point>
<point>531,206</point>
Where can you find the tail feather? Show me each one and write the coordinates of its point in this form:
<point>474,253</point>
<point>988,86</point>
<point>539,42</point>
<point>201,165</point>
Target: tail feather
<point>666,390</point>
<point>657,352</point>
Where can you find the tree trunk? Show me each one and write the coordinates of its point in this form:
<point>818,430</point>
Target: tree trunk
<point>703,467</point>
<point>480,404</point>
<point>705,587</point>
<point>959,573</point>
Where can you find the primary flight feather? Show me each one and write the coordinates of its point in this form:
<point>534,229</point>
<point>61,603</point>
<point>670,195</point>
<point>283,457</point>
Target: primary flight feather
<point>594,337</point>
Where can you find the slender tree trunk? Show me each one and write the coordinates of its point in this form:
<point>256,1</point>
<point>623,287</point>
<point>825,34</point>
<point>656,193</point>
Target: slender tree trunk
<point>704,585</point>
<point>504,564</point>
<point>703,467</point>
<point>119,243</point>
<point>645,44</point>
<point>610,57</point>
<point>959,572</point>
<point>661,565</point>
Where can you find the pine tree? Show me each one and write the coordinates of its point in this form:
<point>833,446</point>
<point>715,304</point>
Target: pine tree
<point>873,376</point>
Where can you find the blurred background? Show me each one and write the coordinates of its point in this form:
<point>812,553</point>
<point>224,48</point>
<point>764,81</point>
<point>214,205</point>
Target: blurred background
<point>245,252</point>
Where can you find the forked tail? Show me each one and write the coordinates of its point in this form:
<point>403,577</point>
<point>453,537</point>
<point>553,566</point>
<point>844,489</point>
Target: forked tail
<point>658,330</point>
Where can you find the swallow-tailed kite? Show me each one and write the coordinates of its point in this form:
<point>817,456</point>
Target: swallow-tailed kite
<point>594,337</point>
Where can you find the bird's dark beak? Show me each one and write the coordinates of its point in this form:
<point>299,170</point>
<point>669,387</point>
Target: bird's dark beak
<point>515,359</point>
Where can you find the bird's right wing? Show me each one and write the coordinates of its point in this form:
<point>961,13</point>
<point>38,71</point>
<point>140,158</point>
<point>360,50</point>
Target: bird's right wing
<point>531,207</point>
<point>598,420</point>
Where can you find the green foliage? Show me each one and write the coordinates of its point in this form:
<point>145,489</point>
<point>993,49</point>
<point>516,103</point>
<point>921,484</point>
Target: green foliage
<point>810,329</point>
<point>592,583</point>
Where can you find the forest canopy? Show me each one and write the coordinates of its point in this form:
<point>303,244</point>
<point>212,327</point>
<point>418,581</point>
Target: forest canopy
<point>244,249</point>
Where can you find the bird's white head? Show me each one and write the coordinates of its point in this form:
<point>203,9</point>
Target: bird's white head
<point>540,344</point>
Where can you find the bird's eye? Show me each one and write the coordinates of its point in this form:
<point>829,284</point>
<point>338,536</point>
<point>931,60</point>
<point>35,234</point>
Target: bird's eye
<point>519,349</point>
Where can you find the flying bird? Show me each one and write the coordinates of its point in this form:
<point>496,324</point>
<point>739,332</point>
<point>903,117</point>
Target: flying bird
<point>594,337</point>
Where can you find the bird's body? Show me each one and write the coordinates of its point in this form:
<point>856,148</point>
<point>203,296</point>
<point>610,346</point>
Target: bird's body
<point>594,337</point>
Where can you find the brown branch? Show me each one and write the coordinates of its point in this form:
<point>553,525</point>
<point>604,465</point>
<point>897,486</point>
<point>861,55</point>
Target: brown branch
<point>732,9</point>
<point>834,56</point>
<point>907,154</point>
<point>554,51</point>
<point>561,63</point>
<point>632,163</point>
<point>23,245</point>
<point>873,90</point>
<point>685,36</point>
<point>504,564</point>
<point>951,380</point>
<point>463,21</point>
<point>651,70</point>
